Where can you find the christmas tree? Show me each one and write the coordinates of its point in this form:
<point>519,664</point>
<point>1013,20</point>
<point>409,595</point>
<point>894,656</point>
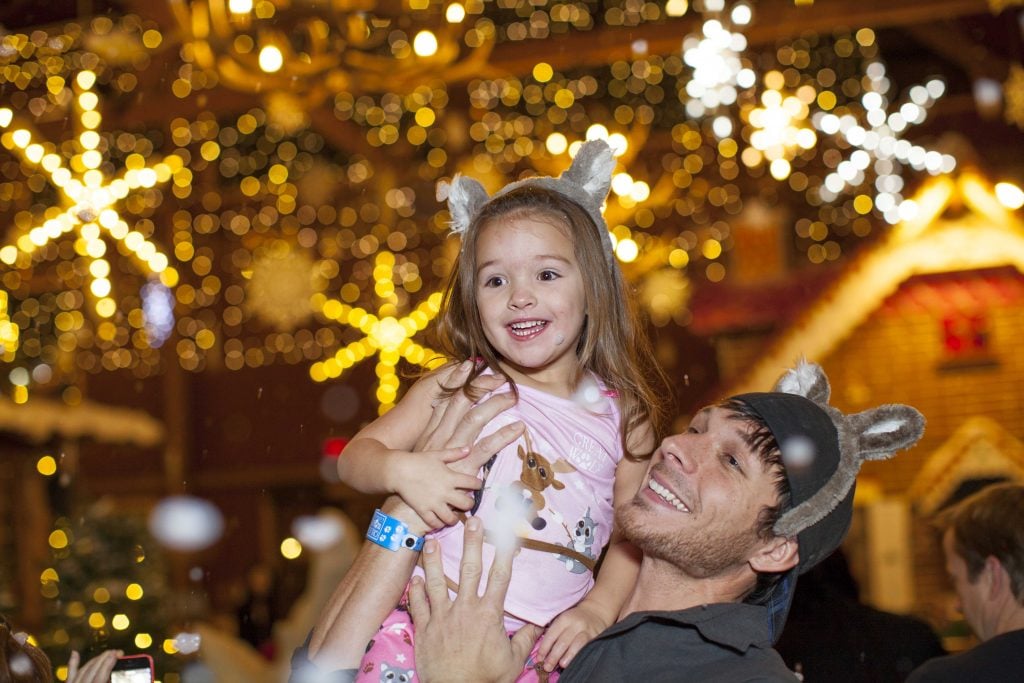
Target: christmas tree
<point>106,588</point>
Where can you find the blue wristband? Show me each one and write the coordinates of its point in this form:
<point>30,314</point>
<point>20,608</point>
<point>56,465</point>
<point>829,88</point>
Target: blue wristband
<point>390,533</point>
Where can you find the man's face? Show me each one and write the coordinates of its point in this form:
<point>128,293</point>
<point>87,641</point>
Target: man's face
<point>698,506</point>
<point>970,595</point>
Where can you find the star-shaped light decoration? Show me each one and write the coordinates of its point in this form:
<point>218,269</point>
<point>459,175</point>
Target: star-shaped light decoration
<point>89,198</point>
<point>385,334</point>
<point>879,145</point>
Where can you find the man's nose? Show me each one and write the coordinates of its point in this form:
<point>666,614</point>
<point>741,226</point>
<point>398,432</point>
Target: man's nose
<point>683,452</point>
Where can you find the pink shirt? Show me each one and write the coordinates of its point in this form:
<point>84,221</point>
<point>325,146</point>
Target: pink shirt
<point>554,484</point>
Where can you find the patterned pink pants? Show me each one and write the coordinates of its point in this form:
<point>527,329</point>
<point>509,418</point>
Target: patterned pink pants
<point>389,656</point>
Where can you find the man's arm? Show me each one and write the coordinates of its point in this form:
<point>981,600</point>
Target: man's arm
<point>373,585</point>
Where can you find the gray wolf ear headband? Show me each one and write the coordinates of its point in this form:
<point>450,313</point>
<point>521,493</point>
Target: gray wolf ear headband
<point>586,182</point>
<point>822,452</point>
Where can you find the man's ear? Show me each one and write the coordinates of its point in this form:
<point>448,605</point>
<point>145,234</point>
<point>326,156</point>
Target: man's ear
<point>996,576</point>
<point>777,555</point>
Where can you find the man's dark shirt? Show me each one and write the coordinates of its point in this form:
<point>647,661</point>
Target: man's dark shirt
<point>725,642</point>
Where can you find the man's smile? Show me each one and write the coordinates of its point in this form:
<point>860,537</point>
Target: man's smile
<point>665,494</point>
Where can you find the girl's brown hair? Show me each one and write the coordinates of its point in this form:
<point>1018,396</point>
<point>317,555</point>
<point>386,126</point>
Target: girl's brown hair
<point>613,344</point>
<point>21,663</point>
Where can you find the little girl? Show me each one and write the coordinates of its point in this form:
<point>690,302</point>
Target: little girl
<point>537,297</point>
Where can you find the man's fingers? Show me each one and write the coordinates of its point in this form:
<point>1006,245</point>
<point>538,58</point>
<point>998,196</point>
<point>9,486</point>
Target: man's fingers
<point>501,571</point>
<point>481,414</point>
<point>470,570</point>
<point>523,640</point>
<point>486,447</point>
<point>419,609</point>
<point>450,455</point>
<point>436,586</point>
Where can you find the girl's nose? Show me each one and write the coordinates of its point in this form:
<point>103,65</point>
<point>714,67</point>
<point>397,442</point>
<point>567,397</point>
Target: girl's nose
<point>521,298</point>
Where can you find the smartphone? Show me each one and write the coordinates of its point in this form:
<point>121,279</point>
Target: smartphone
<point>133,669</point>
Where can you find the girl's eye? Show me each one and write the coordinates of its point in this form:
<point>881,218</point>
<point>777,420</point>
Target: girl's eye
<point>549,275</point>
<point>495,281</point>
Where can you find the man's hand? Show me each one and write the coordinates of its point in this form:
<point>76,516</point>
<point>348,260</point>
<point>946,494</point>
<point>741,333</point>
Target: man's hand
<point>464,639</point>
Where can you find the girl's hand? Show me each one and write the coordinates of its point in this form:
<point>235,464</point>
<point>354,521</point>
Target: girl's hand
<point>567,634</point>
<point>433,489</point>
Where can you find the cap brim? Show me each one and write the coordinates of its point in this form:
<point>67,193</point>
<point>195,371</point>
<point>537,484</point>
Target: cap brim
<point>779,601</point>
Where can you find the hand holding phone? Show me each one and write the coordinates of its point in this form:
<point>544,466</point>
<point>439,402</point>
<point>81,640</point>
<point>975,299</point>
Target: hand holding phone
<point>133,669</point>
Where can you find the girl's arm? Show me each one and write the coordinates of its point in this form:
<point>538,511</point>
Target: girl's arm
<point>373,585</point>
<point>379,459</point>
<point>575,627</point>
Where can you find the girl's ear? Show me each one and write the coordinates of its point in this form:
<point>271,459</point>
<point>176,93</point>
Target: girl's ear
<point>777,555</point>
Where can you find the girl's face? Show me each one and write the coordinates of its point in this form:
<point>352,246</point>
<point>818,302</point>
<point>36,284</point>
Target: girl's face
<point>530,298</point>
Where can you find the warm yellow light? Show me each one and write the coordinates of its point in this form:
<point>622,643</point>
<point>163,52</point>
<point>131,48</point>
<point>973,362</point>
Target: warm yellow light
<point>711,249</point>
<point>1010,195</point>
<point>106,307</point>
<point>425,44</point>
<point>455,13</point>
<point>780,169</point>
<point>120,622</point>
<point>676,8</point>
<point>169,646</point>
<point>271,59</point>
<point>6,116</point>
<point>46,466</point>
<point>133,591</point>
<point>542,72</point>
<point>556,143</point>
<point>291,548</point>
<point>143,640</point>
<point>49,574</point>
<point>58,539</point>
<point>97,620</point>
<point>85,79</point>
<point>239,6</point>
<point>627,250</point>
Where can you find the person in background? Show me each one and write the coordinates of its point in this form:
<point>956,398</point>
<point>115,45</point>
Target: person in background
<point>983,542</point>
<point>831,635</point>
<point>22,662</point>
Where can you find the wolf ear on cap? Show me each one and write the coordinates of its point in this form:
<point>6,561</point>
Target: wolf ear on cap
<point>592,170</point>
<point>465,197</point>
<point>807,380</point>
<point>882,431</point>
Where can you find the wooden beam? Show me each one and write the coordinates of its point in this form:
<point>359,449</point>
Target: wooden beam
<point>773,20</point>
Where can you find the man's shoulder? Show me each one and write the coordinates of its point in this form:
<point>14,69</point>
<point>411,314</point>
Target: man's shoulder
<point>998,659</point>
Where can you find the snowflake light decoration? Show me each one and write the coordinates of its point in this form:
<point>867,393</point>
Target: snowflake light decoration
<point>89,198</point>
<point>385,334</point>
<point>879,146</point>
<point>718,70</point>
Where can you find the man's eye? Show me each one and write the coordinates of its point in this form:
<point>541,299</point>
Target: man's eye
<point>732,462</point>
